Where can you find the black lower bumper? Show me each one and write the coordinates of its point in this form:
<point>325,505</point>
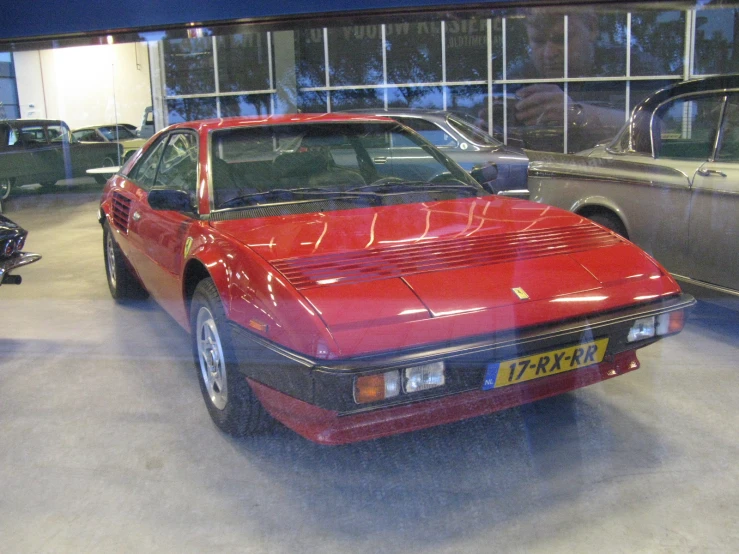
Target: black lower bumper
<point>330,384</point>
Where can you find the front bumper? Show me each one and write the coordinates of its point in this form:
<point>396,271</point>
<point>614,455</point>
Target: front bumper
<point>15,261</point>
<point>316,397</point>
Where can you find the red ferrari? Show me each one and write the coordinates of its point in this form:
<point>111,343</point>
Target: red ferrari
<point>341,275</point>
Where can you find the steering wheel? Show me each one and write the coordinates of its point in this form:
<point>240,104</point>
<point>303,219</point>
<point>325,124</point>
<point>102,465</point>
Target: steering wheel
<point>443,177</point>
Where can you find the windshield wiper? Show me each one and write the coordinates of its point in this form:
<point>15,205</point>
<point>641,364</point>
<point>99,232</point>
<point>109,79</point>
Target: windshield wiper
<point>405,186</point>
<point>280,194</point>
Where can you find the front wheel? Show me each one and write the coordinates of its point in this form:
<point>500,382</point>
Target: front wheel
<point>230,400</point>
<point>122,282</point>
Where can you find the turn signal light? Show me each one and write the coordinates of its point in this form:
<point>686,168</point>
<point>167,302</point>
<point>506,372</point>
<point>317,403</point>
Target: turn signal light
<point>672,322</point>
<point>371,388</point>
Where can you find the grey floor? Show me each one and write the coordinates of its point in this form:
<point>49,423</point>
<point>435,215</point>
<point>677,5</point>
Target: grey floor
<point>105,444</point>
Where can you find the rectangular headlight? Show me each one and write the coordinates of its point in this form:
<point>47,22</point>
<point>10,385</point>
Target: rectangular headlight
<point>423,377</point>
<point>643,328</point>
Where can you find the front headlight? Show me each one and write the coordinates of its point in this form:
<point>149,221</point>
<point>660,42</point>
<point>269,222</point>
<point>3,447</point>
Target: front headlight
<point>423,377</point>
<point>663,324</point>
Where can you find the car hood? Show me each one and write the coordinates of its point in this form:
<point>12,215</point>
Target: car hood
<point>129,144</point>
<point>491,259</point>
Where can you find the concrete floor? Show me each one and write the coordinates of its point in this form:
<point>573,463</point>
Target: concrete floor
<point>106,446</point>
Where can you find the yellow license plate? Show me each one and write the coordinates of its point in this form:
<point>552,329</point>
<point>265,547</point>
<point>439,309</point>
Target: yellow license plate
<point>519,370</point>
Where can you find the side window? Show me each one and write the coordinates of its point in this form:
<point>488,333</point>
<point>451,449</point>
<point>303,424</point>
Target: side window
<point>8,136</point>
<point>729,147</point>
<point>686,129</point>
<point>57,133</point>
<point>87,135</point>
<point>145,171</point>
<point>430,131</point>
<point>179,166</point>
<point>32,135</point>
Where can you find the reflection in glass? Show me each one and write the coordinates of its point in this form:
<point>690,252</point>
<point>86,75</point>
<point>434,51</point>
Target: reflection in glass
<point>639,90</point>
<point>467,49</point>
<point>190,109</point>
<point>355,55</point>
<point>471,100</point>
<point>716,33</point>
<point>595,46</point>
<point>243,62</point>
<point>245,105</point>
<point>309,58</point>
<point>657,43</point>
<point>415,97</point>
<point>413,52</point>
<point>188,66</point>
<point>312,102</point>
<point>356,99</point>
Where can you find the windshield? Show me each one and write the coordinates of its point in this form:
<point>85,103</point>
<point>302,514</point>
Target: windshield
<point>471,132</point>
<point>116,132</point>
<point>355,161</point>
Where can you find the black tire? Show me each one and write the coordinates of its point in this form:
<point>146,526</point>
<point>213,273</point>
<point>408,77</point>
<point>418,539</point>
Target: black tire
<point>609,221</point>
<point>231,403</point>
<point>123,284</point>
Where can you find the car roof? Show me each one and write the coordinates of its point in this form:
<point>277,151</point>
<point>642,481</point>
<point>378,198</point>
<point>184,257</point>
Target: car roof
<point>206,125</point>
<point>706,84</point>
<point>32,121</point>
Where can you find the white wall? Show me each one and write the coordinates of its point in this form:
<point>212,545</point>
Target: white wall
<point>86,85</point>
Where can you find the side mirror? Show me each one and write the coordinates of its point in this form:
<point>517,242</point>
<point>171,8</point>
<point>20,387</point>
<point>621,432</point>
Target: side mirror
<point>485,174</point>
<point>170,200</point>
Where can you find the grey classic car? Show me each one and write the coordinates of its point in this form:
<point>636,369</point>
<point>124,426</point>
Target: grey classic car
<point>669,181</point>
<point>44,151</point>
<point>466,144</point>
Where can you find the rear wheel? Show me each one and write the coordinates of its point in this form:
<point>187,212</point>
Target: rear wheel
<point>122,282</point>
<point>230,400</point>
<point>610,221</point>
<point>5,186</point>
<point>102,179</point>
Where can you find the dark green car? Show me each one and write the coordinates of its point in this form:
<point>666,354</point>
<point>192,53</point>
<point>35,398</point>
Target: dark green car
<point>44,151</point>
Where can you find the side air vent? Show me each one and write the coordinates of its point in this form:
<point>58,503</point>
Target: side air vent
<point>121,207</point>
<point>441,255</point>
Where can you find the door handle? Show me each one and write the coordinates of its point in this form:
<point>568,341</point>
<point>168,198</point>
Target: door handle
<point>136,216</point>
<point>708,172</point>
<point>380,160</point>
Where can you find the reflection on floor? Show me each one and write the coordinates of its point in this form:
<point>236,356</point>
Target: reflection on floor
<point>107,447</point>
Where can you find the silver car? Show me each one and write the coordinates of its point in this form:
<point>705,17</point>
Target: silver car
<point>468,145</point>
<point>669,181</point>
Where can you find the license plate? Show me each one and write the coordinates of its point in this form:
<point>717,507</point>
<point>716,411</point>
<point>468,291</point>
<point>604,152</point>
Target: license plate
<point>519,370</point>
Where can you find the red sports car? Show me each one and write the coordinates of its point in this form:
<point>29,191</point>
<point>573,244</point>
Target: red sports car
<point>351,293</point>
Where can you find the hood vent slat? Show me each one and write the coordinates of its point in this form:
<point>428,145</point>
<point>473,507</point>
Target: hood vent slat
<point>440,255</point>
